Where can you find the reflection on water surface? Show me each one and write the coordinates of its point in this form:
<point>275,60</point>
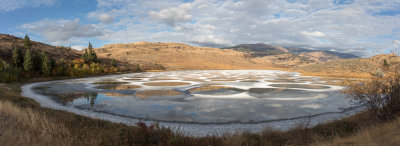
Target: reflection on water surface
<point>202,96</point>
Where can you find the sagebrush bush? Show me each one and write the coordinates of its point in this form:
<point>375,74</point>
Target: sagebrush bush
<point>381,94</point>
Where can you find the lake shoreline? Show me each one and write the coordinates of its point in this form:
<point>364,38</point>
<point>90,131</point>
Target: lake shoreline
<point>46,102</point>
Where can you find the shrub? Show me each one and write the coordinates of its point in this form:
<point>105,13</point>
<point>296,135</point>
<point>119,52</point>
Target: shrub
<point>385,63</point>
<point>137,68</point>
<point>379,73</point>
<point>380,94</point>
<point>3,65</point>
<point>10,74</point>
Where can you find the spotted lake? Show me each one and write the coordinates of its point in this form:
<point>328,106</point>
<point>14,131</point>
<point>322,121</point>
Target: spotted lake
<point>206,102</point>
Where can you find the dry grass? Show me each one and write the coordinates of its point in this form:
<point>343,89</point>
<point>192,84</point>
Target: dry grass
<point>339,75</point>
<point>7,43</point>
<point>27,127</point>
<point>178,56</point>
<point>383,134</point>
<point>351,68</point>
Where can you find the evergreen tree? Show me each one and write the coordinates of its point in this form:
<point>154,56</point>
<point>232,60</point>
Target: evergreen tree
<point>92,54</point>
<point>37,58</point>
<point>46,65</point>
<point>28,63</point>
<point>113,63</point>
<point>52,63</point>
<point>85,56</point>
<point>385,63</point>
<point>27,42</point>
<point>17,57</point>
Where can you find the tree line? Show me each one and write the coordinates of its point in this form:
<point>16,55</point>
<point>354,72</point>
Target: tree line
<point>27,63</point>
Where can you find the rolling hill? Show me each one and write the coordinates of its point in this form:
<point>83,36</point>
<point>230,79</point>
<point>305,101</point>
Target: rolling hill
<point>259,50</point>
<point>355,66</point>
<point>8,42</point>
<point>307,55</point>
<point>177,56</point>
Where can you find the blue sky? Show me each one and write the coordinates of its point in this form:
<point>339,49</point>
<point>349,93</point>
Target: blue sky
<point>361,27</point>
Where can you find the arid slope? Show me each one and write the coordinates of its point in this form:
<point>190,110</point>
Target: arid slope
<point>351,66</point>
<point>178,56</point>
<point>8,42</point>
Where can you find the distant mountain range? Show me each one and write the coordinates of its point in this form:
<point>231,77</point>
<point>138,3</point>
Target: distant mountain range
<point>261,50</point>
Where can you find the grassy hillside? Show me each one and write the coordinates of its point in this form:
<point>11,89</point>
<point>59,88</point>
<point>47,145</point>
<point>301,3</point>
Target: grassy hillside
<point>258,50</point>
<point>306,55</point>
<point>351,66</point>
<point>178,56</point>
<point>9,42</point>
<point>333,53</point>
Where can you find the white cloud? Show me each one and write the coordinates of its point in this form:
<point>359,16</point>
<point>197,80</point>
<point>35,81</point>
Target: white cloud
<point>396,43</point>
<point>78,47</point>
<point>210,41</point>
<point>173,15</point>
<point>61,30</point>
<point>313,34</point>
<point>103,17</point>
<point>10,5</point>
<point>342,25</point>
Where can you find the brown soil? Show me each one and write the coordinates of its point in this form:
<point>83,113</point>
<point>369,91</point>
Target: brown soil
<point>150,93</point>
<point>305,86</point>
<point>209,88</point>
<point>118,87</point>
<point>109,83</point>
<point>194,79</point>
<point>207,84</point>
<point>224,80</point>
<point>161,79</point>
<point>113,94</point>
<point>166,83</point>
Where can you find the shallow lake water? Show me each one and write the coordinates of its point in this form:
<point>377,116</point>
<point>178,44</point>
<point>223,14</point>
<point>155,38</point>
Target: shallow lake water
<point>206,102</point>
